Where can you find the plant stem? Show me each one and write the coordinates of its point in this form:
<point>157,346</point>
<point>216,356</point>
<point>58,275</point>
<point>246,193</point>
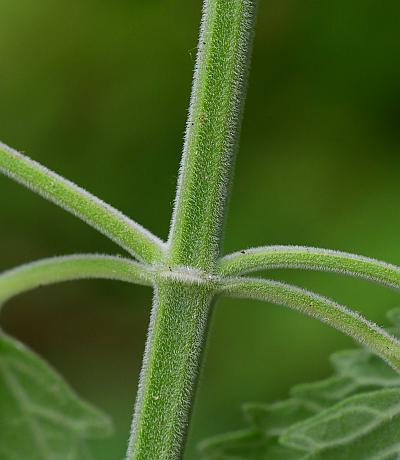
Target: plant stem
<point>308,258</point>
<point>135,239</point>
<point>181,308</point>
<point>212,132</point>
<point>171,364</point>
<point>338,316</point>
<point>68,268</point>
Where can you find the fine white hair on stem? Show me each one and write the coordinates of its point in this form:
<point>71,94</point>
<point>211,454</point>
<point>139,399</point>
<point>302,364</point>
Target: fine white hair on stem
<point>309,258</point>
<point>213,128</point>
<point>131,236</point>
<point>319,307</point>
<point>69,268</point>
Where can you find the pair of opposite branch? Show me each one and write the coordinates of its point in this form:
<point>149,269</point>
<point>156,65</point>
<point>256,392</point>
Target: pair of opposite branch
<point>178,327</point>
<point>140,243</point>
<point>60,269</point>
<point>309,303</point>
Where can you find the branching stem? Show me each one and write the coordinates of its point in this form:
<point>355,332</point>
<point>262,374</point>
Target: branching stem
<point>326,310</point>
<point>181,310</point>
<point>273,257</point>
<point>131,236</point>
<point>187,271</point>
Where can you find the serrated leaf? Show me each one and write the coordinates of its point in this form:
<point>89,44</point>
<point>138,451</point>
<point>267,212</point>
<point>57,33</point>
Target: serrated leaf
<point>322,394</point>
<point>239,445</point>
<point>334,418</point>
<point>362,427</point>
<point>274,419</point>
<point>41,418</point>
<point>356,371</point>
<point>394,316</point>
<point>246,445</point>
<point>364,368</point>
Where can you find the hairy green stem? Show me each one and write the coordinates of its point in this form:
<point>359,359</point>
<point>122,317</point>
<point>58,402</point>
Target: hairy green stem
<point>177,333</point>
<point>317,306</point>
<point>131,236</point>
<point>272,257</point>
<point>181,307</point>
<point>68,268</point>
<point>212,132</point>
<point>187,272</point>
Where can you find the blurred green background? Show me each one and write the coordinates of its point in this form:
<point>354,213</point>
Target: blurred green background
<point>98,90</point>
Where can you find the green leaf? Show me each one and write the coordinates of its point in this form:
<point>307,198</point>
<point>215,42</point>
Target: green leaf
<point>247,445</point>
<point>41,418</point>
<point>356,371</point>
<point>354,414</point>
<point>364,368</point>
<point>239,445</point>
<point>274,419</point>
<point>319,395</point>
<point>362,427</point>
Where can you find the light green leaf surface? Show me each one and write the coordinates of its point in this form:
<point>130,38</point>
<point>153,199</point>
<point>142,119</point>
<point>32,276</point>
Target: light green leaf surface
<point>362,427</point>
<point>41,418</point>
<point>246,445</point>
<point>240,445</point>
<point>274,419</point>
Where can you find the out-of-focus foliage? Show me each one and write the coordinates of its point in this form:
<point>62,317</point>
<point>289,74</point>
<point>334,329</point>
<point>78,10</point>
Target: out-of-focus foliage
<point>40,416</point>
<point>353,414</point>
<point>107,83</point>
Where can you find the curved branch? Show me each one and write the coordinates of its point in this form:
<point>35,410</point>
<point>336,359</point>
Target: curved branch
<point>131,236</point>
<point>322,308</point>
<point>68,268</point>
<point>272,257</point>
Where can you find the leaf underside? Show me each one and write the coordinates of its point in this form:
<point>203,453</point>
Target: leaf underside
<point>353,415</point>
<point>41,418</point>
